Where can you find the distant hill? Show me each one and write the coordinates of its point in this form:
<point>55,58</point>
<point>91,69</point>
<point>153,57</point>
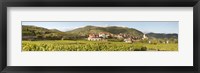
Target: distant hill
<point>162,35</point>
<point>111,29</point>
<point>33,30</point>
<point>39,31</point>
<point>55,30</point>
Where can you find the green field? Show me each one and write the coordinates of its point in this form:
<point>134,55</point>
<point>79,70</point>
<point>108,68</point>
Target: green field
<point>83,45</point>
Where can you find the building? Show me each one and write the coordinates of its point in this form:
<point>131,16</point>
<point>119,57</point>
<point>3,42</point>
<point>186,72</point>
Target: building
<point>104,35</point>
<point>121,36</point>
<point>94,37</point>
<point>144,37</point>
<point>129,40</point>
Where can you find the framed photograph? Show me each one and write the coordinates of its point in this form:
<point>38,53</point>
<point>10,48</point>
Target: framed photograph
<point>129,36</point>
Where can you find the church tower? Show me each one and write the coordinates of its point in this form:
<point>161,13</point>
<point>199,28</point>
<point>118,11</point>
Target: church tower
<point>144,37</point>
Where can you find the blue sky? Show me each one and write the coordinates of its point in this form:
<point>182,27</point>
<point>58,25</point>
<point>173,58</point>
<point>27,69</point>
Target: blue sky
<point>144,26</point>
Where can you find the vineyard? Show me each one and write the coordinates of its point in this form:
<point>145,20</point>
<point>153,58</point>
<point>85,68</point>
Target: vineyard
<point>83,45</point>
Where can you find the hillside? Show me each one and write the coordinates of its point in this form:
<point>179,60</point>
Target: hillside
<point>41,33</point>
<point>111,29</point>
<point>33,30</point>
<point>162,35</point>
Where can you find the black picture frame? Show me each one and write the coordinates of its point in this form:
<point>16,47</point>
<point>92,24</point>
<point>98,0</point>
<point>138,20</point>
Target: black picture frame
<point>99,3</point>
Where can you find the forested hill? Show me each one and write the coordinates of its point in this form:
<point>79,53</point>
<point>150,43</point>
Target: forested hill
<point>111,29</point>
<point>34,30</point>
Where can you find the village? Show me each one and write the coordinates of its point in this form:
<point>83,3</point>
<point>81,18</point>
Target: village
<point>103,36</point>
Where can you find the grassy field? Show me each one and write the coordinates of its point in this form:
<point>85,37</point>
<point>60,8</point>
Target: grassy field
<point>81,45</point>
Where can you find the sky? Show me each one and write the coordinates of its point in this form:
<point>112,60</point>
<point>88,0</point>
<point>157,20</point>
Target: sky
<point>144,26</point>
